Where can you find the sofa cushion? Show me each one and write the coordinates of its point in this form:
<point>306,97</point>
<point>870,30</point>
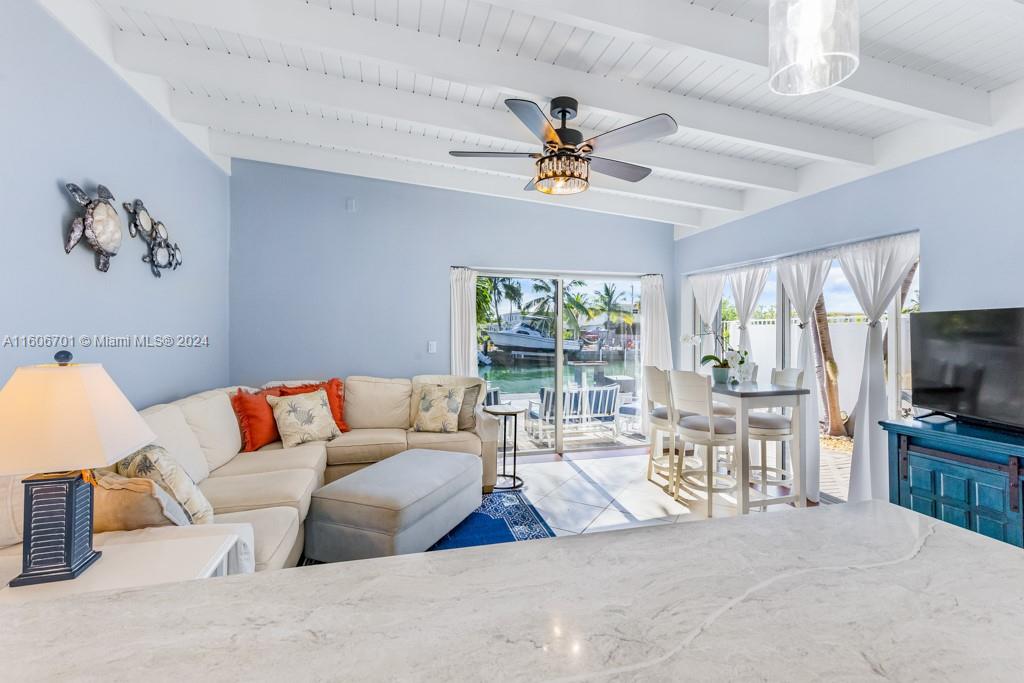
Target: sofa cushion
<point>173,433</point>
<point>397,492</point>
<point>274,532</point>
<point>123,504</point>
<point>304,418</point>
<point>213,420</point>
<point>153,462</point>
<point>335,389</point>
<point>261,490</point>
<point>473,397</point>
<point>460,442</point>
<point>273,458</point>
<point>377,403</point>
<point>255,417</point>
<point>437,408</point>
<point>366,445</point>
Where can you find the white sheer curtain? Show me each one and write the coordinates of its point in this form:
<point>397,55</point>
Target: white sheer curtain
<point>747,286</point>
<point>875,271</point>
<point>463,342</point>
<point>655,338</point>
<point>707,292</point>
<point>803,278</point>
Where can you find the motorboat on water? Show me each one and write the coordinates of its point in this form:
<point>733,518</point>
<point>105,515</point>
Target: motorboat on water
<point>529,335</point>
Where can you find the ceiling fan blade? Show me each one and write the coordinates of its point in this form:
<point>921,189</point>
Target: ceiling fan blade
<point>619,169</point>
<point>533,118</point>
<point>657,126</point>
<point>507,155</point>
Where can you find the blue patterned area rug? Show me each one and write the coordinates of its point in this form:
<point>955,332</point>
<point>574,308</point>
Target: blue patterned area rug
<point>504,517</point>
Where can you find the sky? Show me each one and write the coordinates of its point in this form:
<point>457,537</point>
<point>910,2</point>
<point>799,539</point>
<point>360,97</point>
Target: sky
<point>839,297</point>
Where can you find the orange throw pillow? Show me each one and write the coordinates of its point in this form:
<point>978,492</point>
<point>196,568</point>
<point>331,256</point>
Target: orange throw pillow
<point>335,389</point>
<point>255,418</point>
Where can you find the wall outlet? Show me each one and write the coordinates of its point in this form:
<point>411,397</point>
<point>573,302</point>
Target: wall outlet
<point>431,347</point>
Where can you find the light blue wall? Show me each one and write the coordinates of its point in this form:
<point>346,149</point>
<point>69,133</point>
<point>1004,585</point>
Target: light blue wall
<point>968,205</point>
<point>317,291</point>
<point>66,117</point>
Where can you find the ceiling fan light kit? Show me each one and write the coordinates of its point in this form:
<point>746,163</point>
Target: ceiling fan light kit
<point>562,173</point>
<point>813,44</point>
<point>564,165</point>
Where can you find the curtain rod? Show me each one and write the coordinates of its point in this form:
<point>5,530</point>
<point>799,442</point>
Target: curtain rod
<point>779,257</point>
<point>528,272</point>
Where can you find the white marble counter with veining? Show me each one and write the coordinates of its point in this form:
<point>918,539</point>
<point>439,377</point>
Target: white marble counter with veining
<point>843,592</point>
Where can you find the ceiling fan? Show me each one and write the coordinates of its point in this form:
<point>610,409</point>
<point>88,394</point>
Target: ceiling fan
<point>564,164</point>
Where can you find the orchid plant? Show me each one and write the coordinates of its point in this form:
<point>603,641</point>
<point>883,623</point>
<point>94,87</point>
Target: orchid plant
<point>729,358</point>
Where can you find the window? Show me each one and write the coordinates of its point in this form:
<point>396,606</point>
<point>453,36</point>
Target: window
<point>600,337</point>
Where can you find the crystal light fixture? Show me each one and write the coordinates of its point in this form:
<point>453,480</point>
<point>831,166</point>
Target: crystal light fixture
<point>813,44</point>
<point>562,173</point>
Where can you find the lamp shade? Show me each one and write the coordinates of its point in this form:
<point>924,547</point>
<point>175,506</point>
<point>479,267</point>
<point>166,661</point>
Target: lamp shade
<point>813,44</point>
<point>56,418</point>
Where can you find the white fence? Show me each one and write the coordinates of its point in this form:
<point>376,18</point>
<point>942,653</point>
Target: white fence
<point>848,339</point>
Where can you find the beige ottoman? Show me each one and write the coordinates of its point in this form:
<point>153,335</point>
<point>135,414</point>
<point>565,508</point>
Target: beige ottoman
<point>403,504</point>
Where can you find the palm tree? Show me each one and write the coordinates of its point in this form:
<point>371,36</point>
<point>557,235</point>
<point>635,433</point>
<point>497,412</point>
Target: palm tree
<point>575,305</point>
<point>483,306</point>
<point>609,301</point>
<point>505,288</point>
<point>827,369</point>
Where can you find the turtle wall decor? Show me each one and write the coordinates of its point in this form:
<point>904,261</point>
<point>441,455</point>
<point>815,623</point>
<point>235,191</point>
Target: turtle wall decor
<point>162,254</point>
<point>100,224</point>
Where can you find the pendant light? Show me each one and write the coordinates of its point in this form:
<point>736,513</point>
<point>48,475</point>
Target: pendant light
<point>813,44</point>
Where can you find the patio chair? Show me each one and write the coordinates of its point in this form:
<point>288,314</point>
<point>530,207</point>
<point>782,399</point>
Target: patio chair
<point>604,407</point>
<point>492,397</point>
<point>540,415</point>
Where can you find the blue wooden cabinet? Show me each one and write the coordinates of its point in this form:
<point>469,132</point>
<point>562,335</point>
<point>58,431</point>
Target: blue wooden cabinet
<point>964,474</point>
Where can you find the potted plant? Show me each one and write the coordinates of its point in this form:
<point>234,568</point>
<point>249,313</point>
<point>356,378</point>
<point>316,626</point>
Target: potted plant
<point>722,366</point>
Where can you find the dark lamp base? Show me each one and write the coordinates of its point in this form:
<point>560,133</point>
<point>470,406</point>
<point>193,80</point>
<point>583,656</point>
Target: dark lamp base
<point>57,543</point>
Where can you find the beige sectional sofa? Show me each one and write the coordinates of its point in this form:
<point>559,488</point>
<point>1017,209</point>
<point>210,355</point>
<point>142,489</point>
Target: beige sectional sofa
<point>271,488</point>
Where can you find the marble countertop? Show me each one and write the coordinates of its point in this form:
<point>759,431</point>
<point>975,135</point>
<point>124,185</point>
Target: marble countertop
<point>842,592</point>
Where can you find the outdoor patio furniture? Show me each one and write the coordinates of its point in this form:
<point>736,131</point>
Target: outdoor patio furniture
<point>540,416</point>
<point>492,397</point>
<point>585,410</point>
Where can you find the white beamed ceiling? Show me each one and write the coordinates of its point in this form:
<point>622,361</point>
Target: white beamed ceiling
<point>383,88</point>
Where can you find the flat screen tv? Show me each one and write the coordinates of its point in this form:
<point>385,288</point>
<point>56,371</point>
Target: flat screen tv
<point>970,364</point>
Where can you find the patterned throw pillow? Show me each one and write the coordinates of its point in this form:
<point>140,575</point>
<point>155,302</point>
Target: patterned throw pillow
<point>438,408</point>
<point>467,415</point>
<point>303,418</point>
<point>153,462</point>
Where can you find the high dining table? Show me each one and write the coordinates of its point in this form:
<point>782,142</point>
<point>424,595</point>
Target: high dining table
<point>747,396</point>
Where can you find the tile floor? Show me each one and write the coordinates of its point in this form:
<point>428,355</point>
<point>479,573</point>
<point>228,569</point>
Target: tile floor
<point>602,492</point>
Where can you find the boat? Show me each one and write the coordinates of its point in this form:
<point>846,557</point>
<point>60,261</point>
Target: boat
<point>528,335</point>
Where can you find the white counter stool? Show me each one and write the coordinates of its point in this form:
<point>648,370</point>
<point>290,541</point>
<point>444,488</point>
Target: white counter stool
<point>767,426</point>
<point>661,420</point>
<point>691,397</point>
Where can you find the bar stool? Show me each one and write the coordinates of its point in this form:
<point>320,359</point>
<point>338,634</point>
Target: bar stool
<point>661,418</point>
<point>766,426</point>
<point>691,398</point>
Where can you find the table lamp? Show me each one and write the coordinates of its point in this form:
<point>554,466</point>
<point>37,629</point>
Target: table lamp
<point>62,420</point>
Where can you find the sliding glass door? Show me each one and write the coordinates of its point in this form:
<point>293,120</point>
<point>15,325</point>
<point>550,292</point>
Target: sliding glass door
<point>567,351</point>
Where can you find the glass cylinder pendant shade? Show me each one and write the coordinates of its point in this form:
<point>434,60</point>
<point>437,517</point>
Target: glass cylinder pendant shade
<point>813,44</point>
<point>562,174</point>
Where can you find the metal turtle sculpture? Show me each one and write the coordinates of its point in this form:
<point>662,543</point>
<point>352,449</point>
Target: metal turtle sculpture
<point>162,254</point>
<point>100,225</point>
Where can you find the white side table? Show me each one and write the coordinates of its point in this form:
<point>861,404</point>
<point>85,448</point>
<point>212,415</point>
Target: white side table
<point>128,565</point>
